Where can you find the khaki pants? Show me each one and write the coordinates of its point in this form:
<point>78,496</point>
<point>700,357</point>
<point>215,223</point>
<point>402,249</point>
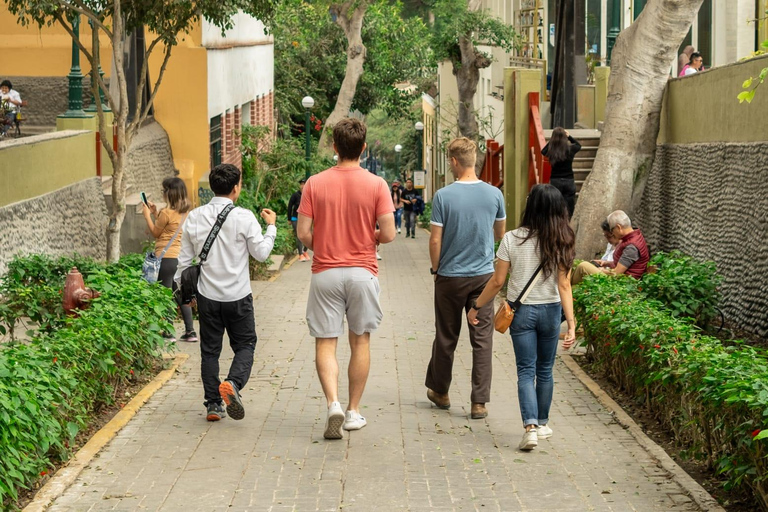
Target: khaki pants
<point>585,268</point>
<point>453,297</point>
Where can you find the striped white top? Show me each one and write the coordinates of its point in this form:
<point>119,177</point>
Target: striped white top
<point>524,259</point>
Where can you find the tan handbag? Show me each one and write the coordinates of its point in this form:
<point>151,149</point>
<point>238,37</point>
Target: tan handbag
<point>506,312</point>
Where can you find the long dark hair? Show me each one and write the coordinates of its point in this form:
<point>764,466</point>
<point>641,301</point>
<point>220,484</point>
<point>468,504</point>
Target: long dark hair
<point>175,192</point>
<point>558,146</point>
<point>546,217</point>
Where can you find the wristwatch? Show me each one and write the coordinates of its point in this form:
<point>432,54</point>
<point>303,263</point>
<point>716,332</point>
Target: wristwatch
<point>433,272</point>
<point>473,305</point>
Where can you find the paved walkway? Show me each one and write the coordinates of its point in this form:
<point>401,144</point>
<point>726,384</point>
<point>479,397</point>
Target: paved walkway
<point>410,456</point>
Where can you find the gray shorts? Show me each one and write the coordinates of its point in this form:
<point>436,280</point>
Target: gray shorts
<point>332,293</point>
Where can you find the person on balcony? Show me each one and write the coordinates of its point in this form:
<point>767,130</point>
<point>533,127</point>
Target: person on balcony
<point>695,66</point>
<point>10,101</point>
<point>561,150</point>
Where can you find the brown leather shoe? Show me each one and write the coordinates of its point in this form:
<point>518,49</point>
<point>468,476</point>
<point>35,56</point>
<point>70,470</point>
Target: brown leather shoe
<point>478,411</point>
<point>441,401</point>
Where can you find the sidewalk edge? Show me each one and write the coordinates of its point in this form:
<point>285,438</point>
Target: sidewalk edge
<point>698,494</point>
<point>67,475</point>
<point>285,266</point>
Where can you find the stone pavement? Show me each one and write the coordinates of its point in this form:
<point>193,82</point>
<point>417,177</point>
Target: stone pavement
<point>410,456</point>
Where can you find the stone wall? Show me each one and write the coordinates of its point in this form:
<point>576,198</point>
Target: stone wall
<point>711,201</point>
<point>71,219</point>
<point>150,161</point>
<point>47,97</point>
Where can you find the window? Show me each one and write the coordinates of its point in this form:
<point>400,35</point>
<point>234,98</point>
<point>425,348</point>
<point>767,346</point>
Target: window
<point>593,23</point>
<point>638,7</point>
<point>215,143</point>
<point>704,43</point>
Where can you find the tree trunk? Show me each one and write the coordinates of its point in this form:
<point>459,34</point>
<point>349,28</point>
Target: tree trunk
<point>641,62</point>
<point>467,73</point>
<point>351,21</point>
<point>119,156</point>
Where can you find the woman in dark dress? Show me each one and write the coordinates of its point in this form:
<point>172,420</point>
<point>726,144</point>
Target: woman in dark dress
<point>561,150</point>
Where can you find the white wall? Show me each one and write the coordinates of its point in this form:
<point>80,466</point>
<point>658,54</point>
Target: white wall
<point>238,75</point>
<point>247,30</point>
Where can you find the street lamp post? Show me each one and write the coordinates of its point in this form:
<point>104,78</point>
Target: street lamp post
<point>420,131</point>
<point>307,103</point>
<point>398,149</point>
<point>75,77</point>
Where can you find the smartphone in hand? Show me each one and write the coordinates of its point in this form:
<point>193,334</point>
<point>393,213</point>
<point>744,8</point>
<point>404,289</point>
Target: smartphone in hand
<point>144,199</point>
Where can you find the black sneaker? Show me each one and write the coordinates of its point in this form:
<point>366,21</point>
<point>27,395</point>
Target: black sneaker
<point>231,397</point>
<point>215,412</point>
<point>413,235</point>
<point>190,337</point>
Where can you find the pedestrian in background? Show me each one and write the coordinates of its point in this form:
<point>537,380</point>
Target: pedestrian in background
<point>467,216</point>
<point>541,252</point>
<point>398,202</point>
<point>167,230</point>
<point>561,150</point>
<point>337,221</point>
<point>293,217</point>
<point>409,197</point>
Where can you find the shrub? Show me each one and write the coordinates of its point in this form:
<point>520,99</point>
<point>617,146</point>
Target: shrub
<point>51,384</point>
<point>713,397</point>
<point>686,286</point>
<point>426,216</point>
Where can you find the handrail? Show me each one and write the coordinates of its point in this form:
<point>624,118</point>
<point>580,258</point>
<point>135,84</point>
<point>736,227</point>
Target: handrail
<point>539,169</point>
<point>493,168</point>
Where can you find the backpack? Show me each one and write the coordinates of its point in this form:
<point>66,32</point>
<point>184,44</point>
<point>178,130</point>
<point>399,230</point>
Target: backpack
<point>418,208</point>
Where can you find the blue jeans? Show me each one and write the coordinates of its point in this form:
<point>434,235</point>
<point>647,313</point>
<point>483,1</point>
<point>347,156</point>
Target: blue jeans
<point>398,218</point>
<point>535,332</point>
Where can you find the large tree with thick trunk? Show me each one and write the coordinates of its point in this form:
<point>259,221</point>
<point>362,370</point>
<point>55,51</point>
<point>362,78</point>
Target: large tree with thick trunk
<point>460,28</point>
<point>640,67</point>
<point>166,23</point>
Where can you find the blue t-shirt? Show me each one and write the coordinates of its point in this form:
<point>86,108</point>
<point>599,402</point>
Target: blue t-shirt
<point>467,210</point>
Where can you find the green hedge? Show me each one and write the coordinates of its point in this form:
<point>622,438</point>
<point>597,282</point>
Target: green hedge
<point>713,397</point>
<point>50,385</point>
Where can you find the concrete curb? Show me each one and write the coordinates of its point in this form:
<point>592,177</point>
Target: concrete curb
<point>697,493</point>
<point>67,475</point>
<point>284,267</point>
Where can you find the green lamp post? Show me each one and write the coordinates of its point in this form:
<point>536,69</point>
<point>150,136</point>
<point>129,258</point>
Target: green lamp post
<point>75,77</point>
<point>307,103</point>
<point>398,149</point>
<point>420,132</point>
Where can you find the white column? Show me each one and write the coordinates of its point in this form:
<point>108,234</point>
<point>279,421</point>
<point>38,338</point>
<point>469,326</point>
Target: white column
<point>732,37</point>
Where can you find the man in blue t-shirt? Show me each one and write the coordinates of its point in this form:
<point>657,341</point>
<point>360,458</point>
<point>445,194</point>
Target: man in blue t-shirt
<point>466,218</point>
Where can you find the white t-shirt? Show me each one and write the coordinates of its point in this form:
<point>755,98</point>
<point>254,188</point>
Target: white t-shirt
<point>523,258</point>
<point>12,95</point>
<point>608,256</point>
<point>689,71</point>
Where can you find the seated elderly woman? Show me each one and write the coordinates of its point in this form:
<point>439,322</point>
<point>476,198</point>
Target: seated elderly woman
<point>630,256</point>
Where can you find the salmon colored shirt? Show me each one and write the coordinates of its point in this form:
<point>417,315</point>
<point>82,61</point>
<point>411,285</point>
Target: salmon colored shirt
<point>344,203</point>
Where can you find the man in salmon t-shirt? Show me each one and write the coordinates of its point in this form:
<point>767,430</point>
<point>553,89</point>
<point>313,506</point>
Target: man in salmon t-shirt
<point>337,221</point>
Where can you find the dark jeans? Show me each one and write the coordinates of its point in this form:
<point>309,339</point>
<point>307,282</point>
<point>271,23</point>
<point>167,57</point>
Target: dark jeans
<point>567,187</point>
<point>7,122</point>
<point>410,221</point>
<point>167,270</point>
<point>453,297</point>
<point>299,246</point>
<point>237,318</point>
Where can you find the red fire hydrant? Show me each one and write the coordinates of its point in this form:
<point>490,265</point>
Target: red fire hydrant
<point>76,295</point>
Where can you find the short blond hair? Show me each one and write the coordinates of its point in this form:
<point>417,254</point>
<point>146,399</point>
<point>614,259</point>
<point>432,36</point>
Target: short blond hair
<point>464,150</point>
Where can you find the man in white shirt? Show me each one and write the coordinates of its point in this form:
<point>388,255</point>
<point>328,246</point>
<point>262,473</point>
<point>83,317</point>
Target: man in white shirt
<point>10,101</point>
<point>224,299</point>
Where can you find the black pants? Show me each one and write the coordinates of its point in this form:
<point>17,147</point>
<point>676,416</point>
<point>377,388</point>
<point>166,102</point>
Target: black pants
<point>237,318</point>
<point>567,187</point>
<point>167,271</point>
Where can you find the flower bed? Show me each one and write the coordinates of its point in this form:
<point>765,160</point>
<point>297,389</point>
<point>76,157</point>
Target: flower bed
<point>713,397</point>
<point>51,384</point>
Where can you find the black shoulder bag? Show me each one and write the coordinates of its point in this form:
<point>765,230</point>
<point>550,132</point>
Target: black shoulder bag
<point>191,275</point>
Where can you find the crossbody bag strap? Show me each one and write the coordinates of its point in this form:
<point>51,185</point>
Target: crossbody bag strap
<point>528,287</point>
<point>175,234</point>
<point>220,218</point>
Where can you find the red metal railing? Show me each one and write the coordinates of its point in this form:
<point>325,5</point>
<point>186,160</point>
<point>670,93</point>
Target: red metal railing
<point>493,169</point>
<point>539,169</point>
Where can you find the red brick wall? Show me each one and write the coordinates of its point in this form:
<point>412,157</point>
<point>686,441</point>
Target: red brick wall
<point>261,113</point>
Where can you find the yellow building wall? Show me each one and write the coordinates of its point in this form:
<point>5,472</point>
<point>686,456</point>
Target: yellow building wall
<point>49,162</point>
<point>181,104</point>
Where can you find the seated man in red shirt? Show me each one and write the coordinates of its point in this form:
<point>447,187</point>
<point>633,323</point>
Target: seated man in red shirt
<point>631,256</point>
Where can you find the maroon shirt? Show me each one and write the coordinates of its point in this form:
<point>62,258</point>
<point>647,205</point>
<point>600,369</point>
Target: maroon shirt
<point>638,268</point>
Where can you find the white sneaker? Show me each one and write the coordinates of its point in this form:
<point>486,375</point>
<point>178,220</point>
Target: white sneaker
<point>530,440</point>
<point>354,421</point>
<point>378,256</point>
<point>398,231</point>
<point>334,422</point>
<point>543,432</point>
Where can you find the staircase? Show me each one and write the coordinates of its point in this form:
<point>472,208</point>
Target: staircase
<point>585,159</point>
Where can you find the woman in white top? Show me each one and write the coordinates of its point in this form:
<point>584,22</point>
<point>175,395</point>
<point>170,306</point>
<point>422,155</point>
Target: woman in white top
<point>543,238</point>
